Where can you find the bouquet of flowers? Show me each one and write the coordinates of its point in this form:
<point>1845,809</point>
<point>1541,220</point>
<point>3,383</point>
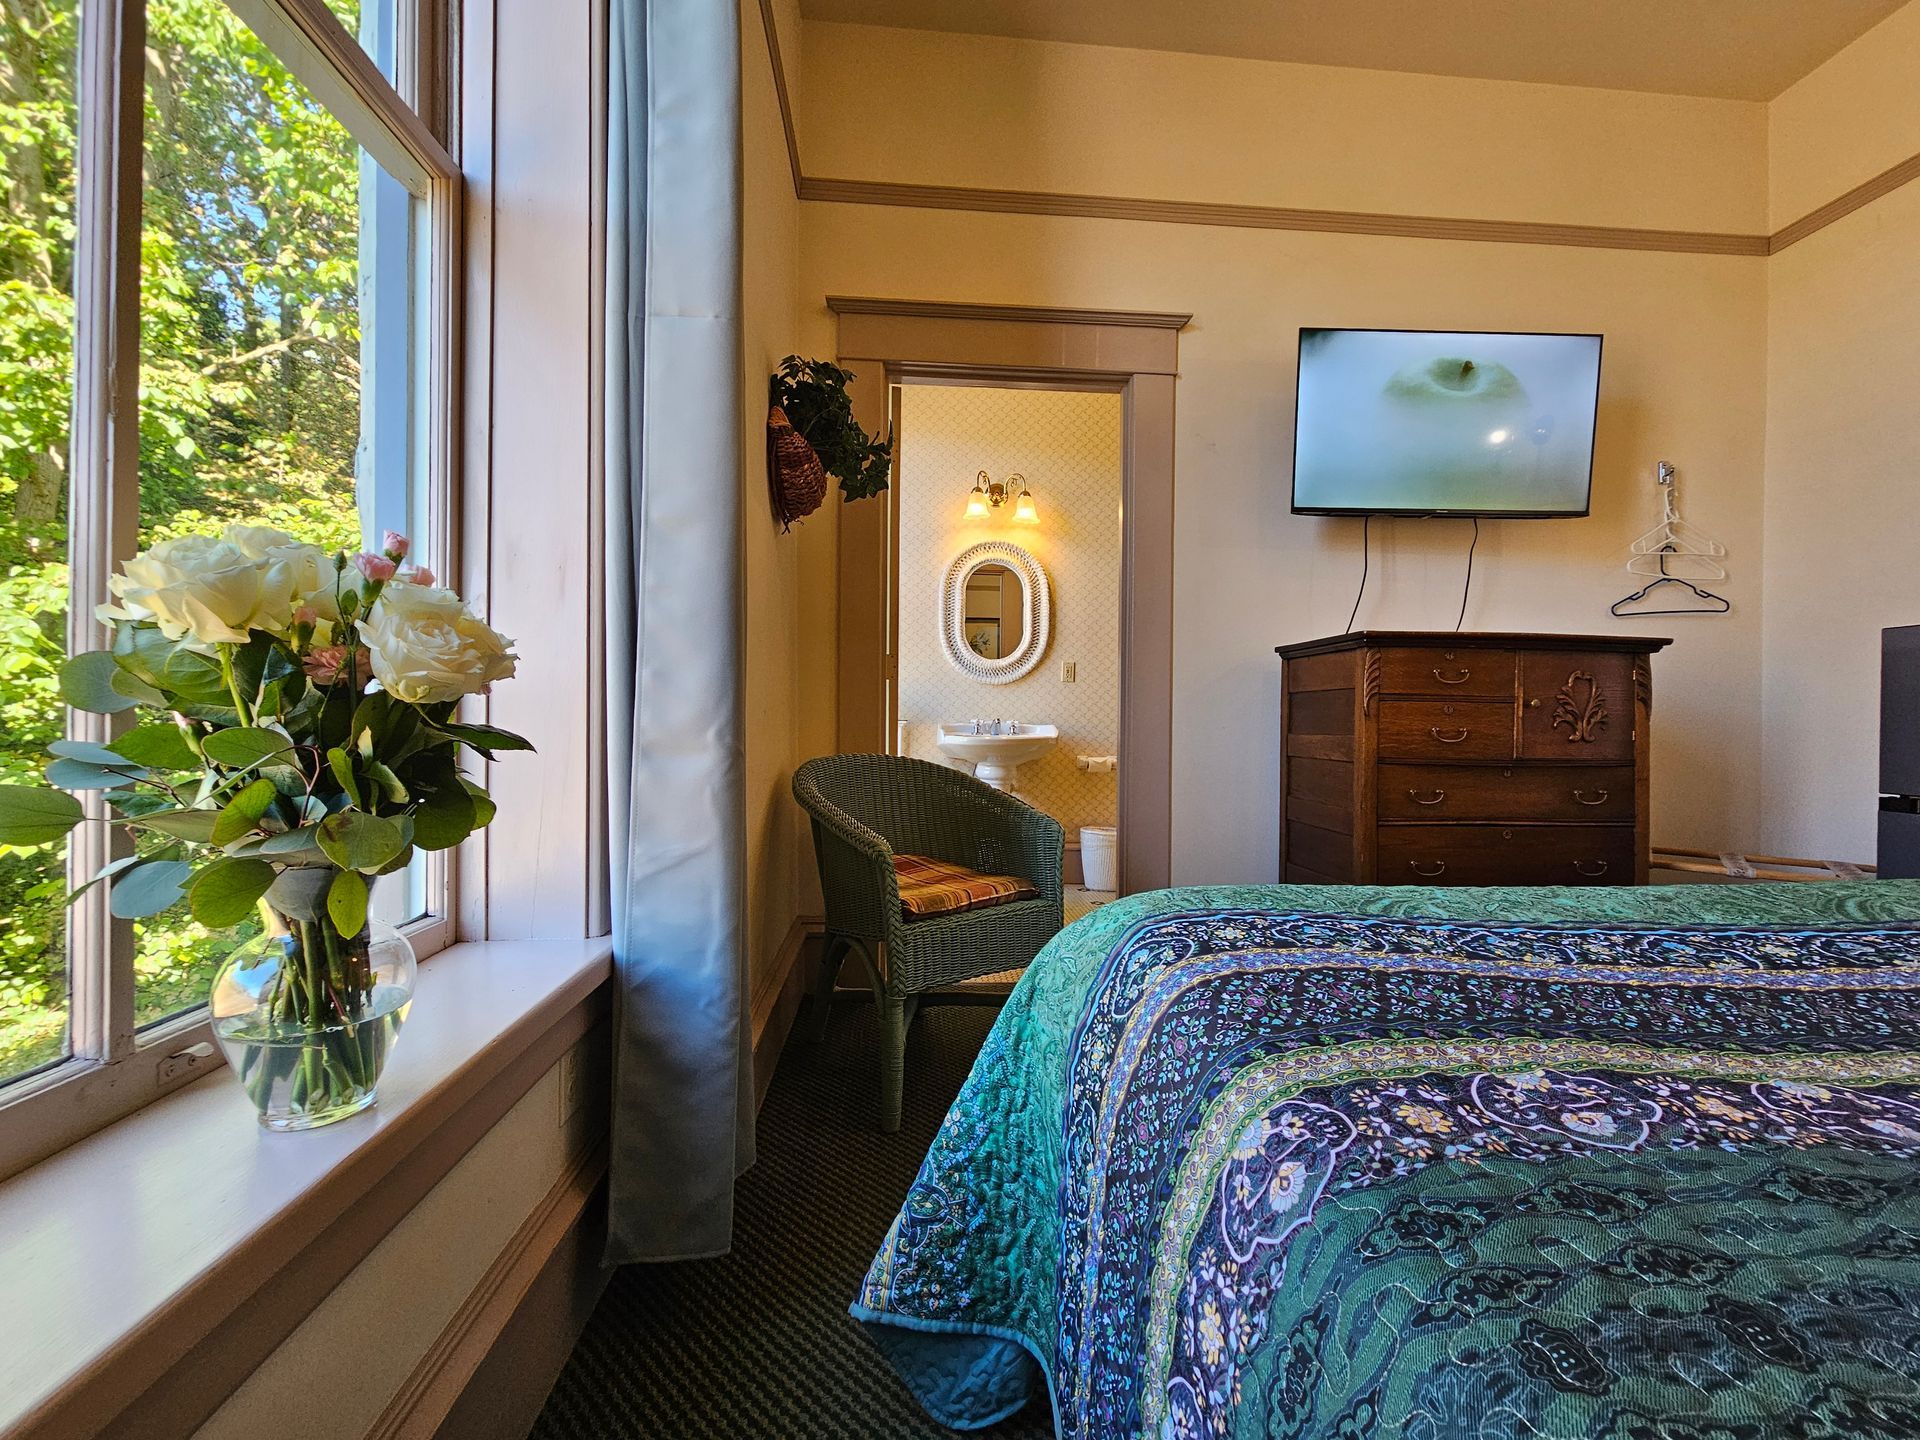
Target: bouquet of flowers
<point>302,742</point>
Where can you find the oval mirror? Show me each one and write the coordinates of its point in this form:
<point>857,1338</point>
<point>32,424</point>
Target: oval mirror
<point>995,612</point>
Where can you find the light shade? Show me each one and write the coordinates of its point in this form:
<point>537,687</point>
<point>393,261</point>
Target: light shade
<point>1023,510</point>
<point>976,505</point>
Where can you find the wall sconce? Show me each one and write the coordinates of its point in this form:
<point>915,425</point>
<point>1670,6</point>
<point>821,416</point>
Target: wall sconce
<point>989,495</point>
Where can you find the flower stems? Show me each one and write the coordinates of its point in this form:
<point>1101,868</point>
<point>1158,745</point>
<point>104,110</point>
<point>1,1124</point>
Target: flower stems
<point>319,1045</point>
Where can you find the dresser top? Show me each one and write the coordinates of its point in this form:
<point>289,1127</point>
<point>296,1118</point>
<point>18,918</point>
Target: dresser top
<point>1470,640</point>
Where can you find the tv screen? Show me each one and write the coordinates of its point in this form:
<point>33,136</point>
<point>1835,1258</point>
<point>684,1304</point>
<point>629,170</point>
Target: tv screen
<point>1444,422</point>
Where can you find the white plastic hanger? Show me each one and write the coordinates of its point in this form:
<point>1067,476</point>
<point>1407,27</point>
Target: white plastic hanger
<point>1674,549</point>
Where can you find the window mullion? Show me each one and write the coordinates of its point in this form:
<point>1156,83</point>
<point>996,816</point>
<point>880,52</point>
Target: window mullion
<point>104,503</point>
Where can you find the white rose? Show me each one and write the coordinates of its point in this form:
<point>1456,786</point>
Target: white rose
<point>308,569</point>
<point>203,588</point>
<point>428,647</point>
<point>258,541</point>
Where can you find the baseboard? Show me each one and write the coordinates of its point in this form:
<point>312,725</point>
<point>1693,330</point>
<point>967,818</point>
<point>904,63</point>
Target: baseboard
<point>488,1372</point>
<point>780,994</point>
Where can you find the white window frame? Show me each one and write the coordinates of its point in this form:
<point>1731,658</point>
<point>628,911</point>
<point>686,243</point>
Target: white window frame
<point>114,1067</point>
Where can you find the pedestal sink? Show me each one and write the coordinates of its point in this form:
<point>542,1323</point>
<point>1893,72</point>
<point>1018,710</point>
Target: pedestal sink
<point>998,751</point>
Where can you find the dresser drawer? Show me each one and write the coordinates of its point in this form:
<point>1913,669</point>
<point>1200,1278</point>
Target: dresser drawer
<point>1469,674</point>
<point>1444,730</point>
<point>1505,854</point>
<point>1506,793</point>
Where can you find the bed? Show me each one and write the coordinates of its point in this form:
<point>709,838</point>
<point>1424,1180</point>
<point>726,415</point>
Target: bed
<point>1303,1162</point>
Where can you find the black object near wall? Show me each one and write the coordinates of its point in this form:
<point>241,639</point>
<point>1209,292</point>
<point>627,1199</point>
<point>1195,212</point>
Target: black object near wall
<point>1899,857</point>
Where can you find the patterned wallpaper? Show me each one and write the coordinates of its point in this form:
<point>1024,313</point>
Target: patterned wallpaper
<point>1068,445</point>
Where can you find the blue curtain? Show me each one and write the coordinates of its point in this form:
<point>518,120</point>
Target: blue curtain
<point>683,1085</point>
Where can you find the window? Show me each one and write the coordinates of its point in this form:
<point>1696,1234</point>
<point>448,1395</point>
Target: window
<point>272,234</point>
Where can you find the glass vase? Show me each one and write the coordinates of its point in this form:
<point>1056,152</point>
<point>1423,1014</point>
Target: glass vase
<point>306,1015</point>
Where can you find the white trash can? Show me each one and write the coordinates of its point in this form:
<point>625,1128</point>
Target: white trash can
<point>1100,857</point>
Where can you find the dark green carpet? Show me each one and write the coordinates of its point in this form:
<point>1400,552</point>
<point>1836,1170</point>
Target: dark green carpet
<point>759,1343</point>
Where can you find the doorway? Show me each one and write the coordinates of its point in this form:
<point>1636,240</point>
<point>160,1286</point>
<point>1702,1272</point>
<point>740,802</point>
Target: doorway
<point>1131,354</point>
<point>1004,598</point>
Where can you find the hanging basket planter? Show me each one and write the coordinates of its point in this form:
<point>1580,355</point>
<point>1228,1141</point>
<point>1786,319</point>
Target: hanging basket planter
<point>812,434</point>
<point>794,471</point>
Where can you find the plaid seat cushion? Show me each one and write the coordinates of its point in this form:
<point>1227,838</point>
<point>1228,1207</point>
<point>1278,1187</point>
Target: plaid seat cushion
<point>933,887</point>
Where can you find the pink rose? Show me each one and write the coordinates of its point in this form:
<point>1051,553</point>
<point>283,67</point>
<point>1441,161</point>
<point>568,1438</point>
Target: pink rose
<point>418,575</point>
<point>394,545</point>
<point>377,568</point>
<point>306,615</point>
<point>324,663</point>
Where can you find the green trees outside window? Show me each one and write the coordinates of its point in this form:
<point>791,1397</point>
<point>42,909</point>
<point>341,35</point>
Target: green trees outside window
<point>250,392</point>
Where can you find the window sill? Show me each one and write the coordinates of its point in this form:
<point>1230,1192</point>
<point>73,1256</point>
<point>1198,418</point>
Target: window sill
<point>152,1243</point>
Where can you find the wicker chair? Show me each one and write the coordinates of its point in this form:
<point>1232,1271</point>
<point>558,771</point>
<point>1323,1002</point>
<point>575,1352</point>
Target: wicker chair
<point>866,809</point>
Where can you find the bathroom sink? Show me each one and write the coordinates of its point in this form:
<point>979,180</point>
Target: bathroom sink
<point>996,757</point>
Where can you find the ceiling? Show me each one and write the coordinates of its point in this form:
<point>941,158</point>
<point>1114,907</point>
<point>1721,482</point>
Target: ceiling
<point>1733,49</point>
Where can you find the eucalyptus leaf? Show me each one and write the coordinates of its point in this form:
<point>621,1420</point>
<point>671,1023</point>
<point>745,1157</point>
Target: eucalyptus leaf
<point>388,782</point>
<point>135,688</point>
<point>107,872</point>
<point>195,825</point>
<point>342,767</point>
<point>243,812</point>
<point>485,737</point>
<point>347,902</point>
<point>87,751</point>
<point>399,862</point>
<point>34,815</point>
<point>483,807</point>
<point>285,843</point>
<point>224,892</point>
<point>444,818</point>
<point>161,746</point>
<point>354,840</point>
<point>245,745</point>
<point>150,888</point>
<point>195,677</point>
<point>78,775</point>
<point>86,683</point>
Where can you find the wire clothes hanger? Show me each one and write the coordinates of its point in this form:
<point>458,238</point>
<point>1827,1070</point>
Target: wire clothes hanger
<point>1713,604</point>
<point>1675,553</point>
<point>1675,549</point>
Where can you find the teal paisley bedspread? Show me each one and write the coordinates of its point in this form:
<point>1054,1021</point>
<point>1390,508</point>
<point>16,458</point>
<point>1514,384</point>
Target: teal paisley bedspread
<point>1500,1164</point>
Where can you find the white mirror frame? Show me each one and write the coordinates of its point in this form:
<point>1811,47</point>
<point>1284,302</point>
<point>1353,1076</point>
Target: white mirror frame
<point>1036,607</point>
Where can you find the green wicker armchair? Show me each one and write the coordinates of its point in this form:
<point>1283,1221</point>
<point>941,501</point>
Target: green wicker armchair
<point>868,808</point>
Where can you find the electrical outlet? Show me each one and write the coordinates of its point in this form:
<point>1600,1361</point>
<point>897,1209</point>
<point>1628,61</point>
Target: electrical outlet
<point>573,1092</point>
<point>1069,672</point>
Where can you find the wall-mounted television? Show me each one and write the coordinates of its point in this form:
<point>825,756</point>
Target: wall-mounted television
<point>1444,422</point>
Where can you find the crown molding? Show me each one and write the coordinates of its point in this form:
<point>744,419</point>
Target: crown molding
<point>1269,217</point>
<point>1328,222</point>
<point>772,30</point>
<point>1041,314</point>
<point>1865,193</point>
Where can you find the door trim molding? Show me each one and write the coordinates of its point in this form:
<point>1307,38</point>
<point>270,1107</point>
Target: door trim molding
<point>1134,353</point>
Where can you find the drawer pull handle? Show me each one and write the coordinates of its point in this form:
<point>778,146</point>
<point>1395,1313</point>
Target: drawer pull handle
<point>1434,730</point>
<point>1461,679</point>
<point>1439,868</point>
<point>1599,868</point>
<point>1438,796</point>
<point>1600,797</point>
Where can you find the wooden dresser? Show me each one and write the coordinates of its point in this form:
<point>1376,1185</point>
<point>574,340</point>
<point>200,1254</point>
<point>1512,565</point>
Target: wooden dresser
<point>1410,758</point>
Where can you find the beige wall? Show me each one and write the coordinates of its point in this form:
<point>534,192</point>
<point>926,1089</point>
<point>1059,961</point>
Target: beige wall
<point>780,883</point>
<point>1854,117</point>
<point>1843,439</point>
<point>1684,370</point>
<point>390,1310</point>
<point>928,108</point>
<point>1067,444</point>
